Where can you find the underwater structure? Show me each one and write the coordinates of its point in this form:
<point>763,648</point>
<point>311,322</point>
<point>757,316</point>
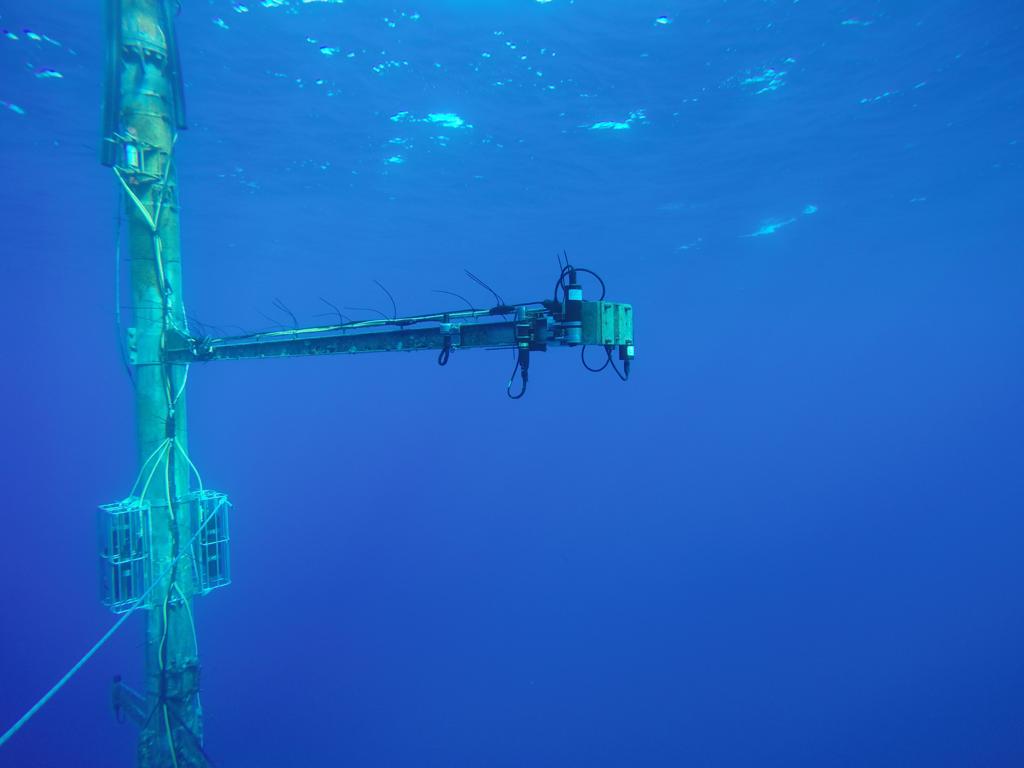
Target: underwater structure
<point>167,542</point>
<point>155,545</point>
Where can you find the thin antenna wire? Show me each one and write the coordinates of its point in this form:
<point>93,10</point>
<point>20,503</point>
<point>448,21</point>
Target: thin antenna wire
<point>457,296</point>
<point>342,319</point>
<point>278,304</point>
<point>478,281</point>
<point>199,325</point>
<point>394,306</point>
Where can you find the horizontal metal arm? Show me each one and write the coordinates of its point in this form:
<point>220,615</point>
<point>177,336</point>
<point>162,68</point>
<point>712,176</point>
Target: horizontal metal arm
<point>535,326</point>
<point>477,335</point>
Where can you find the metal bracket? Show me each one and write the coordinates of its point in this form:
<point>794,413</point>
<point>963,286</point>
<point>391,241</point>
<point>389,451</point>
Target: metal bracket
<point>127,703</point>
<point>177,342</point>
<point>452,332</point>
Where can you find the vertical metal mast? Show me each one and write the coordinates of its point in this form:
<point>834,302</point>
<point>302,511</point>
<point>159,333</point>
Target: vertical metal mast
<point>143,112</point>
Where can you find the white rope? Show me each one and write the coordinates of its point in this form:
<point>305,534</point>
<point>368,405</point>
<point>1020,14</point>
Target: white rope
<point>160,447</point>
<point>177,444</point>
<point>181,389</point>
<point>99,643</point>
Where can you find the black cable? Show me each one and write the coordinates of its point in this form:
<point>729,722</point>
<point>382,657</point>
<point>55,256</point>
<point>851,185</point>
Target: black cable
<point>192,736</point>
<point>558,283</point>
<point>508,387</point>
<point>604,289</point>
<point>444,354</point>
<point>198,325</point>
<point>583,357</point>
<point>567,270</point>
<point>272,320</point>
<point>615,368</point>
<point>160,701</point>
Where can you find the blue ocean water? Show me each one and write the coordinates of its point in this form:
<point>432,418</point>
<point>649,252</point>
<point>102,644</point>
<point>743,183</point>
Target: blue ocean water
<point>792,538</point>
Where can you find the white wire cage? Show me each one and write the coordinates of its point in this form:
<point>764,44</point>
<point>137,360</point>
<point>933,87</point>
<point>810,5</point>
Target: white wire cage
<point>211,550</point>
<point>125,562</point>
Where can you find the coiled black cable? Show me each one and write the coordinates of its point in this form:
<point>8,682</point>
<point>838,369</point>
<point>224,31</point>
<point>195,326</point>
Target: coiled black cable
<point>583,358</point>
<point>620,374</point>
<point>569,268</point>
<point>523,376</point>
